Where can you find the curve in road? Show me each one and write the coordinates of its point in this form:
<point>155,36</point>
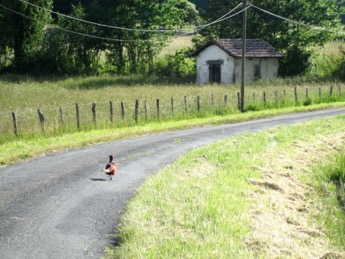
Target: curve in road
<point>61,206</point>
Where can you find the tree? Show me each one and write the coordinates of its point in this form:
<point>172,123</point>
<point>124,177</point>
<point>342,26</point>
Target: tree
<point>23,30</point>
<point>291,39</point>
<point>65,45</point>
<point>135,47</point>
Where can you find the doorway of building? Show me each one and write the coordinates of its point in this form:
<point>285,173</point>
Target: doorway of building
<point>215,75</point>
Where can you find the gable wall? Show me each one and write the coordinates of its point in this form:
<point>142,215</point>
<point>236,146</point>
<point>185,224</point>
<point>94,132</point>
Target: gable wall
<point>231,67</point>
<point>214,53</point>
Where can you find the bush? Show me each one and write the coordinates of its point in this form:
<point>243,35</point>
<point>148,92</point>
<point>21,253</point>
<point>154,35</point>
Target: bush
<point>295,62</point>
<point>180,64</point>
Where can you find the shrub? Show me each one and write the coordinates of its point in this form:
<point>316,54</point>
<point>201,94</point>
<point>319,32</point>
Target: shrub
<point>180,64</point>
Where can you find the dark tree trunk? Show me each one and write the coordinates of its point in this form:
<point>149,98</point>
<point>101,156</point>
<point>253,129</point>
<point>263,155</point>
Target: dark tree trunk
<point>18,48</point>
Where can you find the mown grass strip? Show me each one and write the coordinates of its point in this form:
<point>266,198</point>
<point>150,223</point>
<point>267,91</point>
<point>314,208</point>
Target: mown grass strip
<point>19,148</point>
<point>206,205</point>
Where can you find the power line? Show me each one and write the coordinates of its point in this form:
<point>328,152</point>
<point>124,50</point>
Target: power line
<point>74,32</point>
<point>226,18</point>
<point>13,11</point>
<point>295,22</point>
<point>131,29</point>
<point>220,18</point>
<point>94,23</point>
<point>201,27</point>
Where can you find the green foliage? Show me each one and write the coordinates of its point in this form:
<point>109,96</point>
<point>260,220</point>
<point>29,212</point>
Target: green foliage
<point>329,66</point>
<point>339,71</point>
<point>61,46</point>
<point>23,35</point>
<point>295,62</point>
<point>291,39</point>
<point>179,64</point>
<point>137,50</point>
<point>67,53</point>
<point>337,176</point>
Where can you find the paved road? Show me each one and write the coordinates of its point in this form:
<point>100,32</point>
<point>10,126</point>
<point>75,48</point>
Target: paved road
<point>60,206</point>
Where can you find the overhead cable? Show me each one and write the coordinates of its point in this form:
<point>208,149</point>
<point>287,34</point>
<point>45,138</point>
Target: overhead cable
<point>222,17</point>
<point>78,33</point>
<point>131,29</point>
<point>295,22</point>
<point>94,23</point>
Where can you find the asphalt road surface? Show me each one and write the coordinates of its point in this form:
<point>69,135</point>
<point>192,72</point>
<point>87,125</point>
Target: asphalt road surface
<point>61,206</point>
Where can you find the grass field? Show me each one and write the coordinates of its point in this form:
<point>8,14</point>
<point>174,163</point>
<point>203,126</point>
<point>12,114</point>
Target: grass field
<point>57,99</point>
<point>263,195</point>
<point>270,194</point>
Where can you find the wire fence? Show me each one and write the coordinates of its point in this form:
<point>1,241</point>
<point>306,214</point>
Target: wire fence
<point>84,116</point>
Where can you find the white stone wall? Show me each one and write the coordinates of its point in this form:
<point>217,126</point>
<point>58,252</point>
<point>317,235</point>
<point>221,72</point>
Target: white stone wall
<point>213,53</point>
<point>231,68</point>
<point>268,69</point>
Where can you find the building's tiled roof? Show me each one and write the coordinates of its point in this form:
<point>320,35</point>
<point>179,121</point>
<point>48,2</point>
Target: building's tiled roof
<point>255,48</point>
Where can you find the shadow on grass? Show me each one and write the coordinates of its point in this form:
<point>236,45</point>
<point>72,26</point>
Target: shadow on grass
<point>97,82</point>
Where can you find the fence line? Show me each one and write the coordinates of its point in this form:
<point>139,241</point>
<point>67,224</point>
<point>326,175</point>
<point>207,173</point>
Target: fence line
<point>96,114</point>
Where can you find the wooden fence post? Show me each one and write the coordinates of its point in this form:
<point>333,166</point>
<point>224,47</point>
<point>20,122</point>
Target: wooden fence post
<point>77,115</point>
<point>61,117</point>
<point>41,118</point>
<point>94,117</point>
<point>172,106</point>
<point>226,100</point>
<point>254,98</point>
<point>198,103</point>
<point>320,92</point>
<point>158,109</point>
<point>122,110</point>
<point>276,95</point>
<point>296,95</point>
<point>136,111</point>
<point>265,101</point>
<point>145,109</point>
<point>185,104</point>
<point>14,123</point>
<point>111,112</point>
<point>239,100</point>
<point>331,91</point>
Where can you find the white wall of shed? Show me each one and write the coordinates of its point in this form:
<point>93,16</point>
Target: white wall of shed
<point>213,53</point>
<point>268,69</point>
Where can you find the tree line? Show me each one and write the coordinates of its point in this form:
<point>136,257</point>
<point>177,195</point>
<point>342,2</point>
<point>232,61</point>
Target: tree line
<point>35,40</point>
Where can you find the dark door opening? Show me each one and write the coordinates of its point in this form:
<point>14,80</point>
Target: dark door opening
<point>215,75</point>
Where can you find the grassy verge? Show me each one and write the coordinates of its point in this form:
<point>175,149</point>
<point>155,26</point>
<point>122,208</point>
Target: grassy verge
<point>251,196</point>
<point>124,101</point>
<point>19,148</point>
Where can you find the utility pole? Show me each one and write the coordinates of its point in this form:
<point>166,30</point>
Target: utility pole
<point>244,34</point>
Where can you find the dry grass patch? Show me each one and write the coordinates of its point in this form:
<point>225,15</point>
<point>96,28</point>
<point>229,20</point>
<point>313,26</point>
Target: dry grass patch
<point>284,206</point>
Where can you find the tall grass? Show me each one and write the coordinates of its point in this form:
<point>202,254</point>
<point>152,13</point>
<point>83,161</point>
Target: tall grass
<point>335,174</point>
<point>24,95</point>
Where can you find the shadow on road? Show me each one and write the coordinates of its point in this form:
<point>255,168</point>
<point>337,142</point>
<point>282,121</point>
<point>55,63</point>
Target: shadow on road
<point>98,179</point>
